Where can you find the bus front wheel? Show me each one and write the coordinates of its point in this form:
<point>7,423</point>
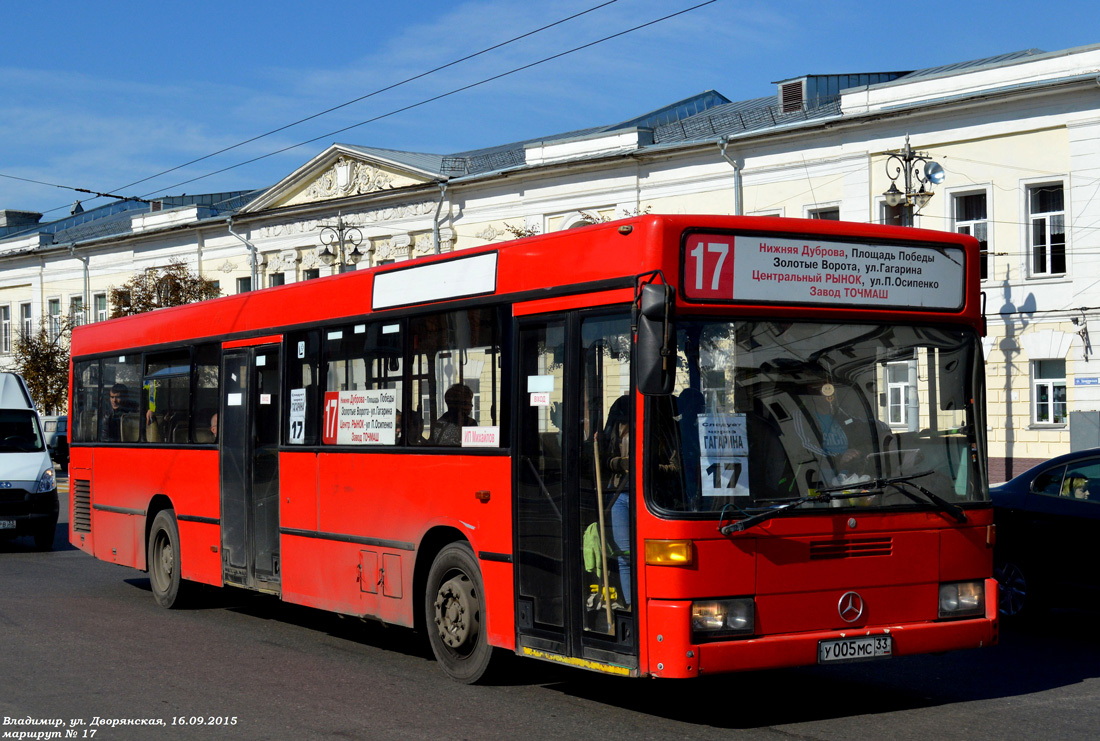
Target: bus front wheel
<point>164,560</point>
<point>455,610</point>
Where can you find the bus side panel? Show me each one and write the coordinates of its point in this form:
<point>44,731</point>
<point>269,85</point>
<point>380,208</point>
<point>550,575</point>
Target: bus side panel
<point>373,511</point>
<point>200,552</point>
<point>298,489</point>
<point>128,479</point>
<point>119,538</point>
<point>322,573</point>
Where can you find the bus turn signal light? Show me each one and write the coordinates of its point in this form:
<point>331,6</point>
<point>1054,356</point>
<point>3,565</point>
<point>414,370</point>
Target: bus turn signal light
<point>669,553</point>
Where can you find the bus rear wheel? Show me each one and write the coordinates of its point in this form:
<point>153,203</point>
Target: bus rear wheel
<point>164,560</point>
<point>455,610</point>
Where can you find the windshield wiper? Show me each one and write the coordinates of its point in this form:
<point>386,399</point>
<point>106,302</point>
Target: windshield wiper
<point>870,488</point>
<point>899,482</point>
<point>821,495</point>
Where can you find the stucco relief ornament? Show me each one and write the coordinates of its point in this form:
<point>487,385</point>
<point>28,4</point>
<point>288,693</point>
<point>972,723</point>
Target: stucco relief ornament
<point>424,244</point>
<point>310,259</point>
<point>227,267</point>
<point>349,177</point>
<point>490,233</point>
<point>400,244</point>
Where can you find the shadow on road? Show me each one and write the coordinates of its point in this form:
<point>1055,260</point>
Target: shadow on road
<point>25,544</point>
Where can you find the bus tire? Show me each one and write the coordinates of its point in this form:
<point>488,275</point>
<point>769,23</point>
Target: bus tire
<point>454,607</point>
<point>164,560</point>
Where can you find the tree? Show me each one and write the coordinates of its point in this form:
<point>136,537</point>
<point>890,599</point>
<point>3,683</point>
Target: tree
<point>172,285</point>
<point>42,358</point>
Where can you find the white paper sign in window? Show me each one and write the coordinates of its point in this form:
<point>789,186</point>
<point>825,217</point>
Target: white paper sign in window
<point>724,455</point>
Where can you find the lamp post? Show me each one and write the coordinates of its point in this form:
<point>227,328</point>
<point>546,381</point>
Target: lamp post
<point>919,173</point>
<point>341,244</point>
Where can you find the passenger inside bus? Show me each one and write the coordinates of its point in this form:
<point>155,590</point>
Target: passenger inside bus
<point>118,405</point>
<point>447,430</point>
<point>616,450</point>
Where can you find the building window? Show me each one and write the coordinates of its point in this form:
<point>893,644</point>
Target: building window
<point>25,321</point>
<point>244,285</point>
<point>829,214</point>
<point>54,312</point>
<point>1049,392</point>
<point>891,215</point>
<point>971,218</point>
<point>76,310</point>
<point>5,329</point>
<point>276,279</point>
<point>311,273</point>
<point>897,393</point>
<point>100,300</point>
<point>1047,217</point>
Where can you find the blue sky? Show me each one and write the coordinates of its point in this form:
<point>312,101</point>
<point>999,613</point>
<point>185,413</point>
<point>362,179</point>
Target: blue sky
<point>99,96</point>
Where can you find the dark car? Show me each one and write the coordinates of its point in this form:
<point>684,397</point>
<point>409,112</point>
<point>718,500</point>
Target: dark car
<point>1048,519</point>
<point>56,430</point>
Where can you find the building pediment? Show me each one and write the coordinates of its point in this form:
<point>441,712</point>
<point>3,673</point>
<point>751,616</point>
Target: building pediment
<point>340,172</point>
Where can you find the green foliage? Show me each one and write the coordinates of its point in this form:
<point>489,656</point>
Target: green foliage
<point>43,361</point>
<point>172,285</point>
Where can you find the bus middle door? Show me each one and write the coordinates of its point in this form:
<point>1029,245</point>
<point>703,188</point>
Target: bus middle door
<point>249,439</point>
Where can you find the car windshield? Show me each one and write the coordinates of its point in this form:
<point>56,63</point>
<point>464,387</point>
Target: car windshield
<point>766,412</point>
<point>19,431</point>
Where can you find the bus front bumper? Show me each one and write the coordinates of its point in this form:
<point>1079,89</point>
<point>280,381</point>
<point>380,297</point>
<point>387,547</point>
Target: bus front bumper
<point>673,655</point>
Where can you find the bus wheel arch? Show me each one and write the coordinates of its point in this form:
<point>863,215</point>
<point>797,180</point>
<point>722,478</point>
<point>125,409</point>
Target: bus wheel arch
<point>452,605</point>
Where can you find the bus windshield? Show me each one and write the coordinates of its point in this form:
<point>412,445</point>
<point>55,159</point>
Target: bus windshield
<point>766,412</point>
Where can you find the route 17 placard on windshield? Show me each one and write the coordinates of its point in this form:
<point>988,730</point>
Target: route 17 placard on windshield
<point>766,269</point>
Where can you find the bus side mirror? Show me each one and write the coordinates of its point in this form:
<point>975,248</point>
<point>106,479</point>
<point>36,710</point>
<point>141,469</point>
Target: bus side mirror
<point>656,362</point>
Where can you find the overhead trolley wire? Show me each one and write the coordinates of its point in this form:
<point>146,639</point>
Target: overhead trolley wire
<point>438,97</point>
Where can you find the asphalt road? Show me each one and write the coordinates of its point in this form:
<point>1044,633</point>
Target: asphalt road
<point>81,639</point>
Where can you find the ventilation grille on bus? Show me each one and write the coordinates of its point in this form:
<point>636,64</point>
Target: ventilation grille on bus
<point>82,506</point>
<point>853,548</point>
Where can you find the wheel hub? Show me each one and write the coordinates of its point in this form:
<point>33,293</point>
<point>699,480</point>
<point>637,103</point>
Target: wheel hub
<point>455,606</point>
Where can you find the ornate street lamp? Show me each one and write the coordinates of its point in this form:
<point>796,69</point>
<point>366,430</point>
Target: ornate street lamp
<point>341,243</point>
<point>919,173</point>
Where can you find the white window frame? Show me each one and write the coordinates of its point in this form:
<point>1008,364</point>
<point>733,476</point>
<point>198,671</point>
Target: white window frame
<point>5,329</point>
<point>26,319</point>
<point>1029,227</point>
<point>814,211</point>
<point>77,317</point>
<point>54,324</point>
<point>1050,383</point>
<point>971,225</point>
<point>903,389</point>
<point>100,316</point>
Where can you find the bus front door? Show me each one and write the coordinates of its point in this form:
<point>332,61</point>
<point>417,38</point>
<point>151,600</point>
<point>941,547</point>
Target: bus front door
<point>248,439</point>
<point>573,505</point>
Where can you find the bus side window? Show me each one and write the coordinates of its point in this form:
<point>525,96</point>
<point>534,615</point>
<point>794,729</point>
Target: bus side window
<point>166,389</point>
<point>86,407</point>
<point>455,374</point>
<point>120,390</point>
<point>204,404</point>
<point>303,422</point>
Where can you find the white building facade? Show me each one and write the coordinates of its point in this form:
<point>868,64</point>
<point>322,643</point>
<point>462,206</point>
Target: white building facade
<point>1018,137</point>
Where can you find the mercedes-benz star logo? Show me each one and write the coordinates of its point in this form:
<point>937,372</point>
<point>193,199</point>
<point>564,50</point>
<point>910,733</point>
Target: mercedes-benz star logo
<point>850,607</point>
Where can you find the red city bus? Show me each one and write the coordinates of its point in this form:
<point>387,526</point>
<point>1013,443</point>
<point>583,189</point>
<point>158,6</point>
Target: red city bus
<point>665,446</point>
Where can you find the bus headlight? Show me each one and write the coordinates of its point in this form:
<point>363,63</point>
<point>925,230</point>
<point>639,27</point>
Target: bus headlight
<point>726,617</point>
<point>962,599</point>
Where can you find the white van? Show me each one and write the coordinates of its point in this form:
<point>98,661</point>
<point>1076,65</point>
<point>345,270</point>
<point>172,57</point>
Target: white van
<point>28,489</point>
